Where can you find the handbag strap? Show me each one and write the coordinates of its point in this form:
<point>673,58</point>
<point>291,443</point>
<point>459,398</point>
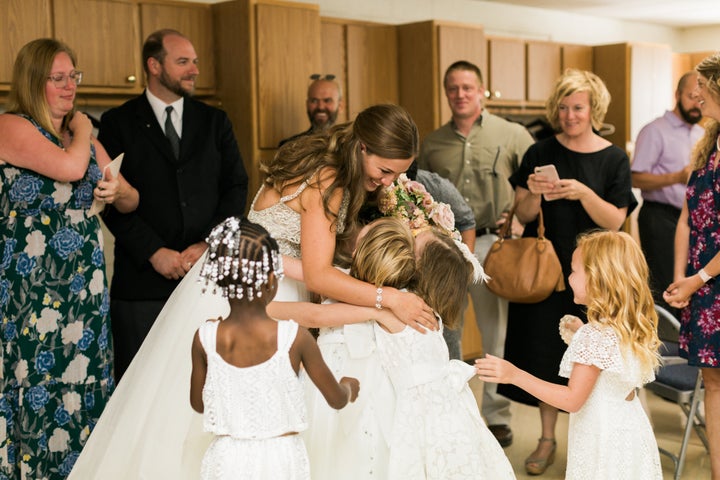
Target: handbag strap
<point>506,229</point>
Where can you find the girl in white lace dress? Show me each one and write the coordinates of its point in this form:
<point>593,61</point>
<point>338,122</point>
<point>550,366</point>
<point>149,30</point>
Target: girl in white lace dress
<point>437,432</point>
<point>245,366</point>
<point>607,360</point>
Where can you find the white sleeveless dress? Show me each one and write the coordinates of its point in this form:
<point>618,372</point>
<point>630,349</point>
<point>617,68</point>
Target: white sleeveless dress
<point>437,432</point>
<point>249,409</point>
<point>148,429</point>
<point>609,437</point>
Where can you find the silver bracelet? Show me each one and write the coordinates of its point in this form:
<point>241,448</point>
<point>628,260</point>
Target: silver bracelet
<point>704,275</point>
<point>378,298</point>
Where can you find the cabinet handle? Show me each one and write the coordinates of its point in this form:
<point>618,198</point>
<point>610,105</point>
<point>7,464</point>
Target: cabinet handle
<point>131,79</point>
<point>497,94</point>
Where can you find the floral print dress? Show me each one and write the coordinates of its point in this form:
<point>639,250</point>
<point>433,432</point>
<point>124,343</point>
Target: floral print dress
<point>700,321</point>
<point>55,332</point>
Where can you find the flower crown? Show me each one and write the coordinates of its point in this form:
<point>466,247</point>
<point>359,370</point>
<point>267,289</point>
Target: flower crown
<point>410,201</point>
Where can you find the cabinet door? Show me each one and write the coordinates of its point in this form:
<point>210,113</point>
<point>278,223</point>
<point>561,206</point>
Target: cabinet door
<point>20,22</point>
<point>372,66</point>
<point>506,70</point>
<point>543,69</point>
<point>193,21</point>
<point>577,56</point>
<point>288,52</point>
<point>105,36</point>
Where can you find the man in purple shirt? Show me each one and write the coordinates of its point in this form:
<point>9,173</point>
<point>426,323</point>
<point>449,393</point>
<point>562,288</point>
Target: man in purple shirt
<point>660,168</point>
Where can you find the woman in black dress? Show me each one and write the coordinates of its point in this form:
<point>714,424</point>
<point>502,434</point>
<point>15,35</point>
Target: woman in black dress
<point>594,191</point>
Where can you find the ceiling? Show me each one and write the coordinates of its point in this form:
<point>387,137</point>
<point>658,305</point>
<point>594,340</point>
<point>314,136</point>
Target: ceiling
<point>671,13</point>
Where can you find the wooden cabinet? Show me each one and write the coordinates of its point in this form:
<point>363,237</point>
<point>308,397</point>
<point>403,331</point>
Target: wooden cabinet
<point>544,65</point>
<point>639,78</point>
<point>577,56</point>
<point>262,71</point>
<point>334,57</point>
<point>192,20</point>
<point>425,51</point>
<point>106,38</point>
<point>506,71</point>
<point>20,22</point>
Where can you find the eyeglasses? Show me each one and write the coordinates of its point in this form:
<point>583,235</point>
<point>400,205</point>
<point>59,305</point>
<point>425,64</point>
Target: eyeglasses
<point>320,76</point>
<point>60,80</point>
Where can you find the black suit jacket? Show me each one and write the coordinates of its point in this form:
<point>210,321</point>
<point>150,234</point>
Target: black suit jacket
<point>181,200</point>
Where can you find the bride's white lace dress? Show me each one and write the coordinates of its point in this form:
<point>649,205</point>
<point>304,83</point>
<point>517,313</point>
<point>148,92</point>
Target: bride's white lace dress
<point>148,431</point>
<point>610,436</point>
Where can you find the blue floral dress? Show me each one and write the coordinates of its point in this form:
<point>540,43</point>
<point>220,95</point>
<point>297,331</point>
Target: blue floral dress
<point>700,320</point>
<point>55,332</point>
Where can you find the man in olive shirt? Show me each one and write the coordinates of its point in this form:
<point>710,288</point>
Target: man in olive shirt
<point>478,152</point>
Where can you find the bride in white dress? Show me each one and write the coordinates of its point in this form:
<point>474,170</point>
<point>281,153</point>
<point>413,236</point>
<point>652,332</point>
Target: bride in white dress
<point>148,429</point>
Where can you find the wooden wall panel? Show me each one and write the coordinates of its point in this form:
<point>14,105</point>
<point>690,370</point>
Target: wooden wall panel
<point>372,66</point>
<point>577,56</point>
<point>418,83</point>
<point>334,60</point>
<point>288,47</point>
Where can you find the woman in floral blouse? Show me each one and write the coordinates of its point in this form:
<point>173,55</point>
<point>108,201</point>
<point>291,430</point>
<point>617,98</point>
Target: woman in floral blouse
<point>697,258</point>
<point>55,331</point>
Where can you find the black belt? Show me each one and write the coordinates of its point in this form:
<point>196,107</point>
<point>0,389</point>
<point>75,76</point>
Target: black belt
<point>485,231</point>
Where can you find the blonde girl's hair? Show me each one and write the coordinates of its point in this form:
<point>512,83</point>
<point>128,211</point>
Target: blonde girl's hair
<point>387,131</point>
<point>709,70</point>
<point>30,76</point>
<point>618,292</point>
<point>385,256</point>
<point>443,277</point>
<point>574,81</point>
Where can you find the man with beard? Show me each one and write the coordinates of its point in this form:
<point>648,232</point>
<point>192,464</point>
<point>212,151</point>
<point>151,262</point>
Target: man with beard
<point>660,168</point>
<point>182,157</point>
<point>324,101</point>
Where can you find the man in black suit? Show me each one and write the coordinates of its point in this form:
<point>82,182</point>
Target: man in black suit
<point>186,164</point>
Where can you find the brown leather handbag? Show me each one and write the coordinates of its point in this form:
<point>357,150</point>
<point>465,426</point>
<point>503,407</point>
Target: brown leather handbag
<point>523,270</point>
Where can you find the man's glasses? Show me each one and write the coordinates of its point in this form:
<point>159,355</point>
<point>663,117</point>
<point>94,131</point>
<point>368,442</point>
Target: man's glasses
<point>320,76</point>
<point>60,80</point>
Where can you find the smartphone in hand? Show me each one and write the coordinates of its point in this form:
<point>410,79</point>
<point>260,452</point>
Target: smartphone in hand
<point>550,173</point>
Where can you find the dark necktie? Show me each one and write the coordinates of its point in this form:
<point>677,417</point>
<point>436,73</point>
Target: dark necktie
<point>171,133</point>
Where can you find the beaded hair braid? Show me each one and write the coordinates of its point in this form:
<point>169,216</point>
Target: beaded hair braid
<point>241,257</point>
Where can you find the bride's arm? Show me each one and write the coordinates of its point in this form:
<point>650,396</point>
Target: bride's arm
<point>313,315</point>
<point>317,240</point>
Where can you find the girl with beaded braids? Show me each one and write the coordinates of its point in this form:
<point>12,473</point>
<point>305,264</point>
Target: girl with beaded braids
<point>245,366</point>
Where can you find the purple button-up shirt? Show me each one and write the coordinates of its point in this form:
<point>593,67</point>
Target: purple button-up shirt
<point>664,146</point>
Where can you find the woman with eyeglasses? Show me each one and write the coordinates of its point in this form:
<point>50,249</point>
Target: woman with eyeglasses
<point>56,347</point>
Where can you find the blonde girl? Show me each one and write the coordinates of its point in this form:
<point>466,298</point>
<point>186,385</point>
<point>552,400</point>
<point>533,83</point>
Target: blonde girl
<point>607,360</point>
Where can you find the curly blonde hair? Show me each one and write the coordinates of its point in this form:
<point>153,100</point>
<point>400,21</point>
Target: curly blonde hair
<point>709,70</point>
<point>574,81</point>
<point>385,130</point>
<point>618,292</point>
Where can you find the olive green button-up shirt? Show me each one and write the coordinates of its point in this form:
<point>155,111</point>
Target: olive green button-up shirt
<point>480,164</point>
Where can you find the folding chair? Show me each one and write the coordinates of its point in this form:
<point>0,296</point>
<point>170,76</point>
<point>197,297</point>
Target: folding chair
<point>678,382</point>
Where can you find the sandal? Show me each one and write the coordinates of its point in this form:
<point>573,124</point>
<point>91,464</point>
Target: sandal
<point>538,465</point>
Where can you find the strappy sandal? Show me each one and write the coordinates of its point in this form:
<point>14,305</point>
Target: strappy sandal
<point>538,465</point>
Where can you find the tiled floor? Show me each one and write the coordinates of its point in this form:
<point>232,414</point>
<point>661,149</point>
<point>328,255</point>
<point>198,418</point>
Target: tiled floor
<point>668,424</point>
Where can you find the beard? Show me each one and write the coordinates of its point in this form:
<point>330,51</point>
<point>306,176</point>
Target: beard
<point>174,85</point>
<point>317,126</point>
<point>691,116</point>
